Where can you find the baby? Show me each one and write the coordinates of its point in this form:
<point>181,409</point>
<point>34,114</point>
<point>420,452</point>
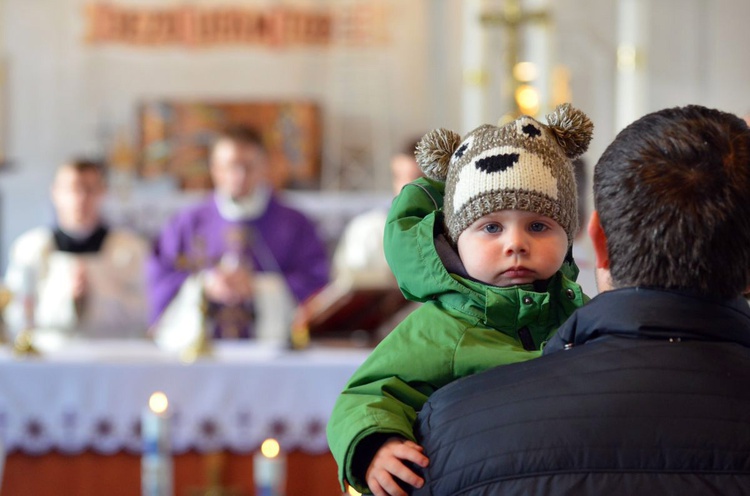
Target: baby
<point>493,267</point>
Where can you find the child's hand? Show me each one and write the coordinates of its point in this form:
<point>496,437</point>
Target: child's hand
<point>387,463</point>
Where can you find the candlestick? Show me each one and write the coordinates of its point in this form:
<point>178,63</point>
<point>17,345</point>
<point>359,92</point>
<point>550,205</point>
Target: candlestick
<point>269,469</point>
<point>5,297</point>
<point>202,346</point>
<point>24,341</point>
<point>156,460</point>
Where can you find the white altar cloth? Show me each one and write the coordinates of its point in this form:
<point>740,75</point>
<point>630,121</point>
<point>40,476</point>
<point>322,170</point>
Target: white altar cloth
<point>91,397</point>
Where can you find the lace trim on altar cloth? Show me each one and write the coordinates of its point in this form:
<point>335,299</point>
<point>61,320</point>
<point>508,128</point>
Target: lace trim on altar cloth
<point>238,432</point>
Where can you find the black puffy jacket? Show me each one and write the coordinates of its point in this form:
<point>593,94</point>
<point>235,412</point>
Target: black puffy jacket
<point>652,397</point>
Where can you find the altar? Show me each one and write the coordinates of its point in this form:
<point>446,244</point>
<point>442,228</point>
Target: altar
<point>70,421</point>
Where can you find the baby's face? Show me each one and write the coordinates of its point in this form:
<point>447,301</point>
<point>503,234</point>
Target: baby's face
<point>512,247</point>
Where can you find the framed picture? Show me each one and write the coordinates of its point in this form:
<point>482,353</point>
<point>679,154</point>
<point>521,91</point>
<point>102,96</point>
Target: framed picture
<point>175,138</point>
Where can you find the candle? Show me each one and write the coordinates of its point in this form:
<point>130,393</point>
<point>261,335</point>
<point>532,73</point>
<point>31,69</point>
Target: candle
<point>27,294</point>
<point>269,469</point>
<point>156,460</point>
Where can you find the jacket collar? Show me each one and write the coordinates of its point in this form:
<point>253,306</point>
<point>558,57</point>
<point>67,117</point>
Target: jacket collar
<point>655,314</point>
<point>248,208</point>
<point>506,308</point>
<point>90,242</point>
<point>510,308</point>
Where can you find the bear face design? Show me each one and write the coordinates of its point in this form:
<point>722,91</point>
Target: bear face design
<point>506,167</point>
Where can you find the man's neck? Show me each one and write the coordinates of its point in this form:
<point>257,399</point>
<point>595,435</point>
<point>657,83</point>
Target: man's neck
<point>248,207</point>
<point>78,231</point>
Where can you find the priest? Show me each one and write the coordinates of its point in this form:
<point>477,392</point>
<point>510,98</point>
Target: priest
<point>240,261</point>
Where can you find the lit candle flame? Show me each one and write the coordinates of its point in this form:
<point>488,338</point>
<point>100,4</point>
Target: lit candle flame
<point>353,492</point>
<point>270,448</point>
<point>158,402</point>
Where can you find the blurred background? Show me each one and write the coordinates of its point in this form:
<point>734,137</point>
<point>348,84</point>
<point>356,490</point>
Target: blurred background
<point>337,88</point>
<point>348,82</point>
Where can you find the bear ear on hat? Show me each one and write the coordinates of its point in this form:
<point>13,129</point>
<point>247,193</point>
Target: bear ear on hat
<point>434,152</point>
<point>572,129</point>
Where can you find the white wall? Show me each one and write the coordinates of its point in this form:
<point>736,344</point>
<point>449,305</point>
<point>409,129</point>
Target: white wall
<point>696,55</point>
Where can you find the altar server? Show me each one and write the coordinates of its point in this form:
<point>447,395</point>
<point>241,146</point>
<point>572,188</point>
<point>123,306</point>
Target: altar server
<point>80,277</point>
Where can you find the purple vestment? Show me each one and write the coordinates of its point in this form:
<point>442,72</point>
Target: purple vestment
<point>281,240</point>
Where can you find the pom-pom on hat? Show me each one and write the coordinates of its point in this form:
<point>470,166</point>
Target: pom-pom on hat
<point>523,165</point>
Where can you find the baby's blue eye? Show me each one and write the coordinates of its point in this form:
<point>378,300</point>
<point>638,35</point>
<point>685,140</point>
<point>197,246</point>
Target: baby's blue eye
<point>537,227</point>
<point>492,228</point>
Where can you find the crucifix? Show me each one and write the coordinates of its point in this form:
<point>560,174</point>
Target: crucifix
<point>513,18</point>
<point>214,463</point>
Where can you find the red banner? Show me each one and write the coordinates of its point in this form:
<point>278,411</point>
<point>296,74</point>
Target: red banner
<point>108,23</point>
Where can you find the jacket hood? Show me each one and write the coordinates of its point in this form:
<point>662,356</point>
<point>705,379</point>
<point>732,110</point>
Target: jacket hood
<point>427,267</point>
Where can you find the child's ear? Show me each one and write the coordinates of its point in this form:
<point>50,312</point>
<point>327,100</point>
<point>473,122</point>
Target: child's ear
<point>599,241</point>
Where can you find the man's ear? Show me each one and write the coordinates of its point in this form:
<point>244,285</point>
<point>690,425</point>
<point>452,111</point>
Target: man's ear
<point>599,241</point>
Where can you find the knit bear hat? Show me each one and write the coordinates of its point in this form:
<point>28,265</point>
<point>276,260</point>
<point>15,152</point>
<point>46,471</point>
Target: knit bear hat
<point>523,165</point>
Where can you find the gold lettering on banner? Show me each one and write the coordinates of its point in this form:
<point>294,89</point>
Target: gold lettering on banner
<point>107,23</point>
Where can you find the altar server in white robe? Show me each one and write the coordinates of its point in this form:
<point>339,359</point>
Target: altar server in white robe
<point>78,278</point>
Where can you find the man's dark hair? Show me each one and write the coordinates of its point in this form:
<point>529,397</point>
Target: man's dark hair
<point>673,196</point>
<point>409,147</point>
<point>241,134</point>
<point>82,164</point>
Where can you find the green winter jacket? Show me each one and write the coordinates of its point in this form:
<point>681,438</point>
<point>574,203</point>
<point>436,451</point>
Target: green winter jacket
<point>462,328</point>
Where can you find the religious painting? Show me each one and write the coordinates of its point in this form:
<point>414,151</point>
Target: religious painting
<point>175,139</point>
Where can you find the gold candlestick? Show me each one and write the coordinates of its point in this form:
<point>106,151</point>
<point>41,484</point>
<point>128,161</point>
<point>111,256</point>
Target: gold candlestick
<point>5,297</point>
<point>214,463</point>
<point>24,342</point>
<point>202,346</point>
<point>299,338</point>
